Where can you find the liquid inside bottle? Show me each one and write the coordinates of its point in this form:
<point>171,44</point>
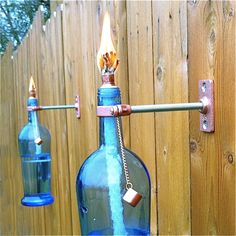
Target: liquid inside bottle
<point>36,171</point>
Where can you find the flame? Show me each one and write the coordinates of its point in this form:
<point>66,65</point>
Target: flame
<point>106,57</point>
<point>32,87</point>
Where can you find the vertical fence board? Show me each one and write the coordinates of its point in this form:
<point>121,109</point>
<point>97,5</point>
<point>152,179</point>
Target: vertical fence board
<point>52,92</point>
<point>212,56</point>
<point>7,158</point>
<point>142,126</point>
<point>33,47</point>
<point>73,71</point>
<point>171,86</point>
<point>79,79</point>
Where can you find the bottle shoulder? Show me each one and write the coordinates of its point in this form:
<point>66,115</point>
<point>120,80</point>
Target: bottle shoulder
<point>103,156</point>
<point>104,152</point>
<point>29,132</point>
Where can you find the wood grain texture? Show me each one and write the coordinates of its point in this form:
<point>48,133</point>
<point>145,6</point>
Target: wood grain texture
<point>32,58</point>
<point>79,79</point>
<point>140,58</point>
<point>51,92</point>
<point>164,47</point>
<point>212,56</point>
<point>7,158</point>
<point>25,217</point>
<point>172,129</point>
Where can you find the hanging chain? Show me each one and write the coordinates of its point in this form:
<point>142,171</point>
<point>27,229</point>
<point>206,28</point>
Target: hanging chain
<point>125,166</point>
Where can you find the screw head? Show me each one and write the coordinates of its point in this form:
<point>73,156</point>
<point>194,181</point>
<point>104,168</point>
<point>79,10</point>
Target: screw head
<point>204,87</point>
<point>205,124</point>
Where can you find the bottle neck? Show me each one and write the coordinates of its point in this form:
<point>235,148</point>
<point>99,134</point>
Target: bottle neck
<point>32,115</point>
<point>108,125</point>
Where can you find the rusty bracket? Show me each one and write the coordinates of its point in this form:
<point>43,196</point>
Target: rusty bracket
<point>206,96</point>
<point>75,106</point>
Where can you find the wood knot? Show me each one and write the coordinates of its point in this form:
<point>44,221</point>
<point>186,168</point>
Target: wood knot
<point>193,2</point>
<point>231,12</point>
<point>159,72</point>
<point>228,10</point>
<point>160,69</point>
<point>211,24</point>
<point>212,36</point>
<point>230,157</point>
<point>193,146</point>
<point>164,152</point>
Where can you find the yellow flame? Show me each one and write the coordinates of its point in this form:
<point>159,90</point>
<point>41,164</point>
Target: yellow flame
<point>32,86</point>
<point>106,45</point>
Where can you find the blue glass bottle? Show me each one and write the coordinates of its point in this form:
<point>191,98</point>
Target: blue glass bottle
<point>101,182</point>
<point>34,147</point>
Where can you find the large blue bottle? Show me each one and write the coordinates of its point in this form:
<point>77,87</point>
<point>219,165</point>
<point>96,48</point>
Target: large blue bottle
<point>34,146</point>
<point>101,182</point>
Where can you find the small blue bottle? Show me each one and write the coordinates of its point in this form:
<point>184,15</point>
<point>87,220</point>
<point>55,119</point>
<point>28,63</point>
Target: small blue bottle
<point>101,182</point>
<point>34,147</point>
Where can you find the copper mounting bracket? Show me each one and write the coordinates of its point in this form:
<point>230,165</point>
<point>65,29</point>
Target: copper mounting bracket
<point>205,105</point>
<point>75,106</point>
<point>206,96</point>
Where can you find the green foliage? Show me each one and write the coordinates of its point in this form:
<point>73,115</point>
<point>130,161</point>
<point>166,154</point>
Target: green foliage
<point>16,16</point>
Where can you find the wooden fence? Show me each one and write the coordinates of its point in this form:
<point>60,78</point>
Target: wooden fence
<point>164,47</point>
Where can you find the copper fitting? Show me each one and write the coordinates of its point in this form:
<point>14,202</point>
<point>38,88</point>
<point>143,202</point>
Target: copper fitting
<point>121,110</point>
<point>108,79</point>
<point>205,102</point>
<point>34,108</point>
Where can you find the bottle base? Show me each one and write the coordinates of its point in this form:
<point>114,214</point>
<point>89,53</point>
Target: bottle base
<point>37,200</point>
<point>129,231</point>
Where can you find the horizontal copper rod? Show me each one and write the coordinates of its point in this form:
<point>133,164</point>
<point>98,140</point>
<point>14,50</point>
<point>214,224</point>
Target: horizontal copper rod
<point>125,109</point>
<point>39,108</point>
<point>75,106</point>
<point>167,107</point>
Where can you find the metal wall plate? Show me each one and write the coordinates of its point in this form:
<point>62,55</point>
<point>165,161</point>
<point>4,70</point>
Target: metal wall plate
<point>77,106</point>
<point>206,95</point>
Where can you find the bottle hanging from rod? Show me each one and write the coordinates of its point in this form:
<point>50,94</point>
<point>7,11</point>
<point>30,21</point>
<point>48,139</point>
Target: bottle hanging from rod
<point>34,147</point>
<point>106,198</point>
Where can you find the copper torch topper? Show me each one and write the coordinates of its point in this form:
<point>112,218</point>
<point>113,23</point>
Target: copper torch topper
<point>106,58</point>
<point>32,88</point>
<point>32,94</point>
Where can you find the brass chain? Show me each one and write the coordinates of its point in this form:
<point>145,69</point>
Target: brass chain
<point>125,166</point>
